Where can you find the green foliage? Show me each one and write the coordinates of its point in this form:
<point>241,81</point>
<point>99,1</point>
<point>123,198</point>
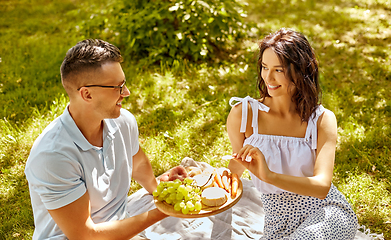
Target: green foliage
<point>169,31</point>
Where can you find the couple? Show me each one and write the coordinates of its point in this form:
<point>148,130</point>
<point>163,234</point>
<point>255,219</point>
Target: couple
<point>80,168</point>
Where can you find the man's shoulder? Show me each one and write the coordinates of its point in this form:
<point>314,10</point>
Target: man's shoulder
<point>50,142</point>
<point>126,115</point>
<point>50,134</point>
<point>126,119</point>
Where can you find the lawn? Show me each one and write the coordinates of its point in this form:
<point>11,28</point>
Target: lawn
<point>182,111</point>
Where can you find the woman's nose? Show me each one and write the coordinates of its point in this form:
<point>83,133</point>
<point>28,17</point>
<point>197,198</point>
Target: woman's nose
<point>268,76</point>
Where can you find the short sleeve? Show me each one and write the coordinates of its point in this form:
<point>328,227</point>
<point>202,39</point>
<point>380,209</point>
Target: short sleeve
<point>56,179</point>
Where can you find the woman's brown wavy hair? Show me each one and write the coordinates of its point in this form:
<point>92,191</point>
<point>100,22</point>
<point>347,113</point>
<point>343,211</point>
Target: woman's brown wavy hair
<point>300,67</point>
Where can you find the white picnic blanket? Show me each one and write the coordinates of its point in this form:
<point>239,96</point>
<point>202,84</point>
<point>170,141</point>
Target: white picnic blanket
<point>243,221</point>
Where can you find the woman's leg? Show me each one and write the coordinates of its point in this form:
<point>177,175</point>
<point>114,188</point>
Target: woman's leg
<point>335,221</point>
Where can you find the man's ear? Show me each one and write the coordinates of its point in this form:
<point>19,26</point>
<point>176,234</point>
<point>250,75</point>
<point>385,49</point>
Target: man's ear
<point>85,94</point>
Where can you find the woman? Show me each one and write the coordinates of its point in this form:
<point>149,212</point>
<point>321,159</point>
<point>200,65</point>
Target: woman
<point>287,141</point>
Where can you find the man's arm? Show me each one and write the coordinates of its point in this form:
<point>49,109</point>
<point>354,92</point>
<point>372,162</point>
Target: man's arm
<point>75,221</point>
<point>142,171</point>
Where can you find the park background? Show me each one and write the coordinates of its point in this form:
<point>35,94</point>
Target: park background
<point>184,60</point>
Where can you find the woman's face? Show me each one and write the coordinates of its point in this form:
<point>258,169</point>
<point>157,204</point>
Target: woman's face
<point>273,75</point>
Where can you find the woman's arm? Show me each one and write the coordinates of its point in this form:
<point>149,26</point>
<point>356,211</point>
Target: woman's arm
<point>316,186</point>
<point>236,137</point>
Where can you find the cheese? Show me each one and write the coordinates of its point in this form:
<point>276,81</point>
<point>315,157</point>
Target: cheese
<point>204,180</point>
<point>213,196</point>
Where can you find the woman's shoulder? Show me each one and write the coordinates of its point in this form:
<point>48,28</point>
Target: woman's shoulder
<point>237,108</point>
<point>327,120</point>
<point>325,114</point>
<point>236,101</point>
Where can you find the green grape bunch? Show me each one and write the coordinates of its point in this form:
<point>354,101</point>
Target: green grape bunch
<point>184,195</point>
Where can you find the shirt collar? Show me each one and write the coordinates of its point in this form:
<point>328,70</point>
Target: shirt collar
<point>110,127</point>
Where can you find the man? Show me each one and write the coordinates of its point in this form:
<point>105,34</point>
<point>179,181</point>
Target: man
<point>80,167</point>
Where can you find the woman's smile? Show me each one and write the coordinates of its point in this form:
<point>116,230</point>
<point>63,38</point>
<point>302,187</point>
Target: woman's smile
<point>273,87</point>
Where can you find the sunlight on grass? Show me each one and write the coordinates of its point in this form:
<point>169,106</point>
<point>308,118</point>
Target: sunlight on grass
<point>351,131</point>
<point>373,204</point>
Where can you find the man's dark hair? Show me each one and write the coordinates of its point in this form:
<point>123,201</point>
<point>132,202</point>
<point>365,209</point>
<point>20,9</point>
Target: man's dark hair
<point>86,55</point>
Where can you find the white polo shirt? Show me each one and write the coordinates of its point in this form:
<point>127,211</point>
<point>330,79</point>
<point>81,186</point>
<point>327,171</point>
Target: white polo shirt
<point>63,165</point>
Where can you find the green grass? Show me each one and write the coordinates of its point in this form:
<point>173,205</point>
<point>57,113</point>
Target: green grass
<point>34,38</point>
<point>181,111</point>
<point>15,211</point>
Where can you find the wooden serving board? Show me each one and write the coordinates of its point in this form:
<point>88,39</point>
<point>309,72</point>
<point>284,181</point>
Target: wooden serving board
<point>205,211</point>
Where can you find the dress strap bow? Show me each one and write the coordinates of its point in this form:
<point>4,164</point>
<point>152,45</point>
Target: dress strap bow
<point>255,105</point>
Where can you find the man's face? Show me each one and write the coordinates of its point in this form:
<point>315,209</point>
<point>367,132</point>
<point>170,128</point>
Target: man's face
<point>107,101</point>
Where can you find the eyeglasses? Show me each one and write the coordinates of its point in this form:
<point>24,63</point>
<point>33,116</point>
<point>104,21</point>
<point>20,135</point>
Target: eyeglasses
<point>121,88</point>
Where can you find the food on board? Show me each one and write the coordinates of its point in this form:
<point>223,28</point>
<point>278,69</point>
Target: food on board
<point>234,184</point>
<point>214,196</point>
<point>218,180</point>
<point>191,189</point>
<point>204,180</point>
<point>192,171</point>
<point>225,180</point>
<point>177,172</point>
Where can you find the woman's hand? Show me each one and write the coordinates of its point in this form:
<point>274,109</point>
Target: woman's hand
<point>254,160</point>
